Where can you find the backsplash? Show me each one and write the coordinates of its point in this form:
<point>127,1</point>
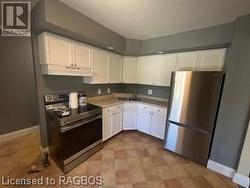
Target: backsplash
<point>157,91</point>
<point>63,84</point>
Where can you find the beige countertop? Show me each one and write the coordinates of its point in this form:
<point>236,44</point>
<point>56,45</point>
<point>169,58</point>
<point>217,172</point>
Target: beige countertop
<point>112,100</point>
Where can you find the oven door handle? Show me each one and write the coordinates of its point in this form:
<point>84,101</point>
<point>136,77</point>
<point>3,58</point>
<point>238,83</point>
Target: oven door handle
<point>67,128</point>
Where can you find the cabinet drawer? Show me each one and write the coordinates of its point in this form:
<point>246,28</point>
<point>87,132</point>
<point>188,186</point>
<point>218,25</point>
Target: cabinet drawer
<point>112,109</point>
<point>118,108</point>
<point>130,105</point>
<point>145,107</point>
<point>160,110</point>
<point>108,110</point>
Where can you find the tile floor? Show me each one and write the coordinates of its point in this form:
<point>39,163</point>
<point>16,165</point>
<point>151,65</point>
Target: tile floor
<point>129,160</point>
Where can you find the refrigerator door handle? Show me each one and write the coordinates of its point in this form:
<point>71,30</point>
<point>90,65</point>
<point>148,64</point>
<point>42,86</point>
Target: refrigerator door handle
<point>189,127</point>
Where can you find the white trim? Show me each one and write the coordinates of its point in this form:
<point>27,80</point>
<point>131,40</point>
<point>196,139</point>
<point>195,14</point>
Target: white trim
<point>8,136</point>
<point>241,180</point>
<point>221,169</point>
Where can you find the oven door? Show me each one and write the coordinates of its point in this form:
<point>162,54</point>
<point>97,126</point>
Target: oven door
<point>79,137</point>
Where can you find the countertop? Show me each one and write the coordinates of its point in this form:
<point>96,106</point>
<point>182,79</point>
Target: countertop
<point>112,100</point>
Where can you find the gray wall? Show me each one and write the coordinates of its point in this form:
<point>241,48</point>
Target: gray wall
<point>234,110</point>
<point>59,18</point>
<point>157,91</point>
<point>212,37</point>
<point>17,85</point>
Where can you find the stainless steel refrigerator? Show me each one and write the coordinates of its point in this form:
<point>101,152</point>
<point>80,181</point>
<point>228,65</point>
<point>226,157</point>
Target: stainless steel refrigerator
<point>194,100</point>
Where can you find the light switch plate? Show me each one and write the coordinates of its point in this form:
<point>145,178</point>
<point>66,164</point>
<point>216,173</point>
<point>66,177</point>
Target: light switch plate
<point>108,90</point>
<point>99,91</point>
<point>150,91</point>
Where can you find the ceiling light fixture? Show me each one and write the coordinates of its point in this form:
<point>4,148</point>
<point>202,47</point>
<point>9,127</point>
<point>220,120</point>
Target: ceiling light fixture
<point>110,47</point>
<point>160,52</point>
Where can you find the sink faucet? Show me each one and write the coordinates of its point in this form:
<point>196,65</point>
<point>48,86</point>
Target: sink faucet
<point>135,94</point>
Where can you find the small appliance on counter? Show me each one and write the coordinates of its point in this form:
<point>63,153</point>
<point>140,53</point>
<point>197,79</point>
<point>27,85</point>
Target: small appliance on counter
<point>73,137</point>
<point>82,100</point>
<point>73,100</point>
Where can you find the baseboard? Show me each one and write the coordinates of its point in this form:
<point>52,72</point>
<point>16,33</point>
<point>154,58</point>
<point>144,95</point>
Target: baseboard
<point>241,180</point>
<point>15,134</point>
<point>221,169</point>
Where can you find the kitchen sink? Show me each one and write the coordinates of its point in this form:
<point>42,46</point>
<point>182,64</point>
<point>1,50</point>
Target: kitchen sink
<point>129,98</point>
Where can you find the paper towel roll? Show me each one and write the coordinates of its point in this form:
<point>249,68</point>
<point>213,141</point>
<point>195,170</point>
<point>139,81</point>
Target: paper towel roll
<point>73,100</point>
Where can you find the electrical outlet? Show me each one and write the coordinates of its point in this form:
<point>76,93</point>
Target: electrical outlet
<point>99,91</point>
<point>108,90</point>
<point>150,91</point>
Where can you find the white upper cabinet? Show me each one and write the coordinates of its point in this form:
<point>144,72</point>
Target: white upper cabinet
<point>115,67</point>
<point>187,61</point>
<point>211,60</point>
<point>62,56</point>
<point>163,67</point>
<point>107,67</point>
<point>129,69</point>
<point>54,50</point>
<point>100,67</point>
<point>82,55</point>
<point>145,70</point>
<point>155,69</point>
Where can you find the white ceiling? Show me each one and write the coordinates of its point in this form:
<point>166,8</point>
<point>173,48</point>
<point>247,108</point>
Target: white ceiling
<point>143,19</point>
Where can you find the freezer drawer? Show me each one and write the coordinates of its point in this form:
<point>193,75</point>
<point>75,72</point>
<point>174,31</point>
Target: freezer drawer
<point>190,143</point>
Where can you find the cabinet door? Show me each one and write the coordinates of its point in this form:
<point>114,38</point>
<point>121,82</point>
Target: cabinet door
<point>145,70</point>
<point>158,124</point>
<point>129,69</point>
<point>117,126</point>
<point>59,50</point>
<point>211,60</point>
<point>163,67</point>
<point>115,67</point>
<point>82,55</point>
<point>187,61</point>
<point>129,119</point>
<point>107,127</point>
<point>144,121</point>
<point>100,71</point>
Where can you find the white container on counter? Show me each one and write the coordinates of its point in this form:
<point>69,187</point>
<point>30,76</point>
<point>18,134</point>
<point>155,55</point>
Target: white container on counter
<point>73,100</point>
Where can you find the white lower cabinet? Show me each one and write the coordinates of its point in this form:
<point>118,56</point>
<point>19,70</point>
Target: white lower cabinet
<point>158,124</point>
<point>112,121</point>
<point>152,120</point>
<point>117,123</point>
<point>107,127</point>
<point>144,121</point>
<point>130,116</point>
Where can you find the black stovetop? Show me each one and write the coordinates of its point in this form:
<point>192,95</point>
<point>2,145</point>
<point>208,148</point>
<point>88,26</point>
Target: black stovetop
<point>75,114</point>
